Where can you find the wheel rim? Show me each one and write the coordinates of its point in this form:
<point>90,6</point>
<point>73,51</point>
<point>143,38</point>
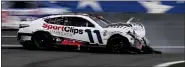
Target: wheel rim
<point>117,46</point>
<point>41,41</point>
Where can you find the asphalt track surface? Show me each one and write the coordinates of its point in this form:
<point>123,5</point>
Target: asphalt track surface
<point>19,57</point>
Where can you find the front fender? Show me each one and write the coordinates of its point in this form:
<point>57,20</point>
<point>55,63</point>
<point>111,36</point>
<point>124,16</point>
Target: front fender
<point>129,38</point>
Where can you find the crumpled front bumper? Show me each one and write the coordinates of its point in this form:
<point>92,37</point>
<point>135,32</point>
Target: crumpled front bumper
<point>138,42</point>
<point>141,46</point>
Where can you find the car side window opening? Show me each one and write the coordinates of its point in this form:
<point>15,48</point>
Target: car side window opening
<point>57,20</point>
<point>77,21</point>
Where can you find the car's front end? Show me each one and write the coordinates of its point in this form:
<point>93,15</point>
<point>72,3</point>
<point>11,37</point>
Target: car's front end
<point>135,33</point>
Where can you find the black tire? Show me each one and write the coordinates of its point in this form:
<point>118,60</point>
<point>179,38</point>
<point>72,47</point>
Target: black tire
<point>42,41</point>
<point>117,45</point>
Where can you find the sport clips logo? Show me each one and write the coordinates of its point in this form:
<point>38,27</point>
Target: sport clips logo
<point>62,28</point>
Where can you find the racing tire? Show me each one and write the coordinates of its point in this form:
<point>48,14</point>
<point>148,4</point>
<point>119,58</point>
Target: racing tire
<point>117,45</point>
<point>42,41</point>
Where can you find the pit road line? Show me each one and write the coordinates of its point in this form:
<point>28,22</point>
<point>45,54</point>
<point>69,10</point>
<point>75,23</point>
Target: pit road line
<point>8,36</point>
<point>7,45</point>
<point>169,63</point>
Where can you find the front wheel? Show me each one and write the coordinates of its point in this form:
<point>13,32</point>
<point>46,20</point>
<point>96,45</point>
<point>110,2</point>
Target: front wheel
<point>117,45</point>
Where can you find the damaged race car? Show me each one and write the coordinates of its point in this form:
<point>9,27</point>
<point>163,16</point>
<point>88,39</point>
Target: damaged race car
<point>84,30</point>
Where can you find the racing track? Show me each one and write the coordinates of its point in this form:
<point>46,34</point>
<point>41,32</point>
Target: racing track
<point>18,57</point>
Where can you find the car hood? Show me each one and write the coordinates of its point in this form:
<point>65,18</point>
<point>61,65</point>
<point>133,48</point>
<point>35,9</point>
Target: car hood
<point>118,25</point>
<point>139,31</point>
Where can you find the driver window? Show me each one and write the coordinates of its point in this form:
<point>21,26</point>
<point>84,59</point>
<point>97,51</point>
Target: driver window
<point>56,20</point>
<point>77,21</point>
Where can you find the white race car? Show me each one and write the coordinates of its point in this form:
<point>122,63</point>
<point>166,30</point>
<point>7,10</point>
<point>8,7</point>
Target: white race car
<point>84,30</point>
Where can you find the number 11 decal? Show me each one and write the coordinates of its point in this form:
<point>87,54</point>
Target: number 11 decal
<point>91,37</point>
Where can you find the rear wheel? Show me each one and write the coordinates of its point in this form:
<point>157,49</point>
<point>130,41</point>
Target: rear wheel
<point>42,41</point>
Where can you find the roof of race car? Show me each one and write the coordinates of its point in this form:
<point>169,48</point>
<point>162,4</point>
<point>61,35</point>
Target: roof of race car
<point>68,14</point>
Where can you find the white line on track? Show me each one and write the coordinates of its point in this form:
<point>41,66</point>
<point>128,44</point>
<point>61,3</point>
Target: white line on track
<point>8,36</point>
<point>169,63</point>
<point>167,46</point>
<point>7,45</point>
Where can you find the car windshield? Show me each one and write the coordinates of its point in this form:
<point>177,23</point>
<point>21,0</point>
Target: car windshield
<point>100,20</point>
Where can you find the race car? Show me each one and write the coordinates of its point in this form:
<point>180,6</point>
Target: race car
<point>84,30</point>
